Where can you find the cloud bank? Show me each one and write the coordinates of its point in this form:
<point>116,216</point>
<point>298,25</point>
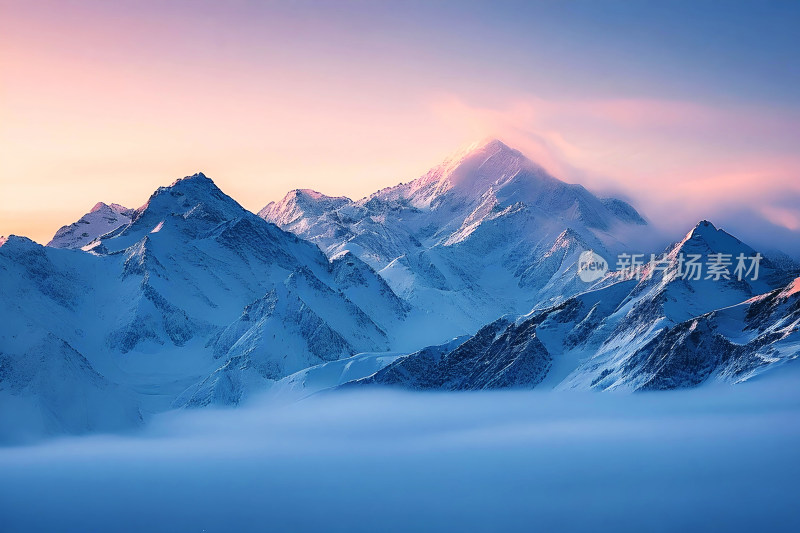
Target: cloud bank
<point>712,458</point>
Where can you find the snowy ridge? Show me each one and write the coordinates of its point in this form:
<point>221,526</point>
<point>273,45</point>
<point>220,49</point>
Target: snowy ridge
<point>660,333</point>
<point>192,300</point>
<point>102,219</point>
<point>213,304</point>
<point>474,237</point>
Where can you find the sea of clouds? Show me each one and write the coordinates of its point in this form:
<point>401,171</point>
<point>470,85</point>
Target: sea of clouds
<point>712,459</point>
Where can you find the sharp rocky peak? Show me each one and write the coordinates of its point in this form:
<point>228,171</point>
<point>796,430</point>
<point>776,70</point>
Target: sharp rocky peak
<point>308,193</point>
<point>19,244</point>
<point>194,200</point>
<point>704,226</point>
<point>197,188</point>
<point>312,196</point>
<point>706,238</point>
<point>197,185</point>
<point>298,203</point>
<point>116,208</point>
<point>710,234</point>
<point>196,178</point>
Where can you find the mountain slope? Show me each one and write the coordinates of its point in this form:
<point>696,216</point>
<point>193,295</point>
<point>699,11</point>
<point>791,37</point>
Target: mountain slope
<point>493,358</point>
<point>102,219</point>
<point>486,233</point>
<point>663,331</point>
<point>156,306</point>
<point>196,301</point>
<point>734,343</point>
<point>668,298</point>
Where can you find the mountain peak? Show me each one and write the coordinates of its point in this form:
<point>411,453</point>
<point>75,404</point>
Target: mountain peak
<point>705,237</point>
<point>705,225</point>
<point>569,239</point>
<point>485,162</point>
<point>195,179</point>
<point>706,231</point>
<point>198,183</point>
<point>299,203</point>
<point>116,208</point>
<point>309,193</point>
<point>194,200</point>
<point>489,148</point>
<point>470,172</point>
<point>101,220</point>
<point>19,241</point>
<point>491,175</point>
<point>491,143</point>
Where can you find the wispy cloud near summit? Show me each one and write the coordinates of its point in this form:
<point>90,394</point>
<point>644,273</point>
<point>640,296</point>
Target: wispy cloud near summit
<point>677,161</point>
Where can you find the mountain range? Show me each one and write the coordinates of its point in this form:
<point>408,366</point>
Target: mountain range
<point>465,278</point>
<point>663,332</point>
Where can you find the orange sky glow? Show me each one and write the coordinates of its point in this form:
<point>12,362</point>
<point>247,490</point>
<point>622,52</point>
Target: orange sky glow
<point>98,104</point>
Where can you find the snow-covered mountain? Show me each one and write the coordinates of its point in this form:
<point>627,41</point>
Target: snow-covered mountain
<point>191,300</point>
<point>102,219</point>
<point>669,298</point>
<point>346,371</point>
<point>666,330</point>
<point>194,300</point>
<point>485,233</point>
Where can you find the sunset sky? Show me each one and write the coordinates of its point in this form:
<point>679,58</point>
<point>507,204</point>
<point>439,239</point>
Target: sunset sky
<point>689,110</point>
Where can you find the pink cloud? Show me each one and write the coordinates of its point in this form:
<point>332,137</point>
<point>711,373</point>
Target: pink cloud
<point>677,161</point>
<point>787,218</point>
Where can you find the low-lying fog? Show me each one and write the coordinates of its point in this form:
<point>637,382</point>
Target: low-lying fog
<point>713,459</point>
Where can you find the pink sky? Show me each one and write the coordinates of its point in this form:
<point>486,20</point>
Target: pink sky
<point>101,103</point>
